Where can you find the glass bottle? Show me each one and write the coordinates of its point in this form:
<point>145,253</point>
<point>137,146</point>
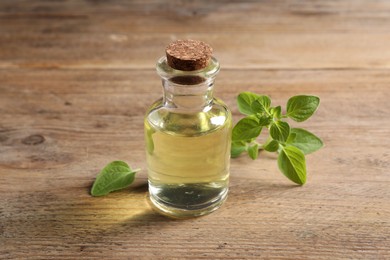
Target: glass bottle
<point>188,134</point>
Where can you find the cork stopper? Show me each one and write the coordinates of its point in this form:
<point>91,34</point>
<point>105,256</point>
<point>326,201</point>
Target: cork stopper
<point>188,55</point>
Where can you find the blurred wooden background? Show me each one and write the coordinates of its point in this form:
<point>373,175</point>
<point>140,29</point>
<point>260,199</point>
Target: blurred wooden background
<point>76,78</point>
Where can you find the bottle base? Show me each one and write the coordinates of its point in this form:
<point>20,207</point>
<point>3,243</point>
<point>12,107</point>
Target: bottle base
<point>182,210</point>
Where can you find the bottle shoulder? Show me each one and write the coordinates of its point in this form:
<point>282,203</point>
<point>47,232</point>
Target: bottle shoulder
<point>188,123</point>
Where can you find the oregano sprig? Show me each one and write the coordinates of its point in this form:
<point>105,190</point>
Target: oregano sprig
<point>292,144</point>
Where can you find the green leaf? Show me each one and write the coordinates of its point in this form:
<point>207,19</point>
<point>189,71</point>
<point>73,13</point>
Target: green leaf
<point>149,139</point>
<point>272,146</point>
<point>253,151</point>
<point>279,131</point>
<point>244,102</point>
<point>261,104</point>
<point>291,137</point>
<point>264,120</point>
<point>115,176</point>
<point>276,112</point>
<point>237,148</point>
<point>305,141</point>
<point>292,164</point>
<point>246,129</point>
<point>300,108</point>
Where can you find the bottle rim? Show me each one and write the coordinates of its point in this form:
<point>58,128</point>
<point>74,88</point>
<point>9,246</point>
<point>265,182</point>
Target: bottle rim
<point>167,72</point>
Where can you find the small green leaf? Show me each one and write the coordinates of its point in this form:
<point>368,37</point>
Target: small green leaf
<point>261,104</point>
<point>276,112</point>
<point>237,148</point>
<point>257,107</point>
<point>115,176</point>
<point>149,139</point>
<point>265,101</point>
<point>264,120</point>
<point>244,102</point>
<point>272,146</point>
<point>300,108</point>
<point>291,137</point>
<point>279,131</point>
<point>246,129</point>
<point>305,141</point>
<point>292,164</point>
<point>253,151</point>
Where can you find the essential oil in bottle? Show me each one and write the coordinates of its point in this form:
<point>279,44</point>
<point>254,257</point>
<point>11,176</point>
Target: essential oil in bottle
<point>188,134</point>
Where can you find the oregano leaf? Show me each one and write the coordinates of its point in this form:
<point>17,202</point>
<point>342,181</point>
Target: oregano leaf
<point>292,164</point>
<point>261,104</point>
<point>114,176</point>
<point>277,112</point>
<point>246,129</point>
<point>291,137</point>
<point>244,102</point>
<point>237,148</point>
<point>272,146</point>
<point>305,141</point>
<point>300,108</point>
<point>253,151</point>
<point>279,131</point>
<point>264,120</point>
<point>149,139</point>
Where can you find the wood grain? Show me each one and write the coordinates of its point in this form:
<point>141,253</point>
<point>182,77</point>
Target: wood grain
<point>286,34</point>
<point>76,78</point>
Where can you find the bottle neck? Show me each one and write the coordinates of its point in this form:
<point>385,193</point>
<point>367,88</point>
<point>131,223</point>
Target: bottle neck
<point>187,90</point>
<point>187,97</point>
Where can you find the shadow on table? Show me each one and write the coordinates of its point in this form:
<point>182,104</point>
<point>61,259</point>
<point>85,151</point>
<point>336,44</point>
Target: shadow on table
<point>70,217</point>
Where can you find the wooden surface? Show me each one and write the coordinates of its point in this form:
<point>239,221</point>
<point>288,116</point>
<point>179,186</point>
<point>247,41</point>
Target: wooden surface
<point>77,76</point>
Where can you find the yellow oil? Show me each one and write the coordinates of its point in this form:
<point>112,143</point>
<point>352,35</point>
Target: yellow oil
<point>188,158</point>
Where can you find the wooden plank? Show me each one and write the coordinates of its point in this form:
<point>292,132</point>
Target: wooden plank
<point>338,34</point>
<point>139,51</point>
<point>200,16</point>
<point>129,91</point>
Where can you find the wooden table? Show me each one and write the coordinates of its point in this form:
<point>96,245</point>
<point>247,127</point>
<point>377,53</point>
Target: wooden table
<point>76,78</point>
